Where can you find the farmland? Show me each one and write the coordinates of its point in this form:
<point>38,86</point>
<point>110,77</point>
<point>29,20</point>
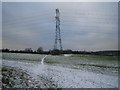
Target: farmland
<point>67,71</point>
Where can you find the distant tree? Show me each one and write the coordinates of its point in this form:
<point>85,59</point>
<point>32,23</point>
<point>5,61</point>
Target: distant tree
<point>34,51</point>
<point>40,50</point>
<point>5,50</point>
<point>28,50</point>
<point>68,51</point>
<point>56,52</point>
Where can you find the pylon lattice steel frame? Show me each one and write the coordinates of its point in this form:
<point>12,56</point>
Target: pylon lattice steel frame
<point>57,32</point>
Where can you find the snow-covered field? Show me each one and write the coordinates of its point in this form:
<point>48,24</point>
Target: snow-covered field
<point>68,71</point>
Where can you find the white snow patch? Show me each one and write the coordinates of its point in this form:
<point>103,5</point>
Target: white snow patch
<point>67,54</point>
<point>66,77</point>
<point>42,61</point>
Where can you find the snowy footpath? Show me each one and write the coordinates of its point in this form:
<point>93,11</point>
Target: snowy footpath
<point>63,77</point>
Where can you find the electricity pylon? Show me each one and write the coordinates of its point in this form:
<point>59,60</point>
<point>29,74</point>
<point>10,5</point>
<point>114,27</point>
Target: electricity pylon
<point>57,32</point>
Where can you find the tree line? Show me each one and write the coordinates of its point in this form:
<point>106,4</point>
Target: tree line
<point>58,52</point>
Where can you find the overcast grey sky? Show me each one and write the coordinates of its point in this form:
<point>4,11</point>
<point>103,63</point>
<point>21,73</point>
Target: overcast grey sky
<point>84,25</point>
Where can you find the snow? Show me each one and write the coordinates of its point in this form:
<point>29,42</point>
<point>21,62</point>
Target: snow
<point>42,61</point>
<point>64,77</point>
<point>67,54</point>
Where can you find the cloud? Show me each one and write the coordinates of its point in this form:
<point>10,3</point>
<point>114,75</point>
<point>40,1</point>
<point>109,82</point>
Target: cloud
<point>83,25</point>
<point>60,0</point>
<point>0,25</point>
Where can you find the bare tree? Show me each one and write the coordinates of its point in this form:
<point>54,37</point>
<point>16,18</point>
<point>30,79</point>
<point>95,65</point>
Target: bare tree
<point>40,49</point>
<point>28,50</point>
